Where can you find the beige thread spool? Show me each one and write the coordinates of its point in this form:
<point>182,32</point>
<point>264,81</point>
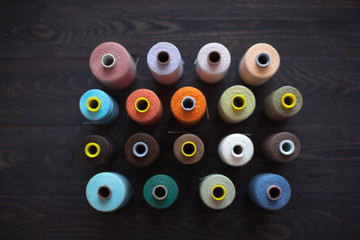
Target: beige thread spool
<point>283,103</point>
<point>236,104</point>
<point>259,64</point>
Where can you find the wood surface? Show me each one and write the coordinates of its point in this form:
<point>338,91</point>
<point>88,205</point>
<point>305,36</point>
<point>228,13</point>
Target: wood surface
<point>44,54</point>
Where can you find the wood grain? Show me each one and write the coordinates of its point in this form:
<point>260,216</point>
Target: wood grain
<point>44,53</point>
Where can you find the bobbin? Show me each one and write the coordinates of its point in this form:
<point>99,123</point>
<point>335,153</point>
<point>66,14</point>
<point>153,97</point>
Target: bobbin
<point>259,64</point>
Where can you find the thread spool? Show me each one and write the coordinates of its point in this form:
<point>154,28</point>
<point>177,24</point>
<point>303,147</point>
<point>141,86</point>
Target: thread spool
<point>160,191</point>
<point>217,191</point>
<point>188,105</point>
<point>144,107</point>
<point>213,62</point>
<point>236,149</point>
<point>269,191</point>
<point>259,64</point>
<point>141,149</point>
<point>95,149</point>
<point>188,149</point>
<point>112,65</point>
<point>165,63</point>
<point>108,191</point>
<point>236,104</point>
<point>281,147</point>
<point>98,107</point>
<point>283,103</point>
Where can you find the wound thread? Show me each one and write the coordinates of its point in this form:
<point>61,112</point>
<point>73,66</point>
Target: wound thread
<point>144,107</point>
<point>112,65</point>
<point>191,110</point>
<point>283,103</point>
<point>141,149</point>
<point>281,147</point>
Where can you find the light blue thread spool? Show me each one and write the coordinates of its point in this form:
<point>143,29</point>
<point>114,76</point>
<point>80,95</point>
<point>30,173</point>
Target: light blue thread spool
<point>269,191</point>
<point>98,107</point>
<point>108,191</point>
<point>160,191</point>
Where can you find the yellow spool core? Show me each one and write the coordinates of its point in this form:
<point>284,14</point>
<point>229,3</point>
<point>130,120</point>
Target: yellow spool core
<point>218,192</point>
<point>188,149</point>
<point>93,104</point>
<point>238,102</point>
<point>92,150</point>
<point>142,104</point>
<point>288,100</point>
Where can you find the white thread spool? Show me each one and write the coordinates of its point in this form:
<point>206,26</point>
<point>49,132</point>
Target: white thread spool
<point>236,149</point>
<point>213,62</point>
<point>165,63</point>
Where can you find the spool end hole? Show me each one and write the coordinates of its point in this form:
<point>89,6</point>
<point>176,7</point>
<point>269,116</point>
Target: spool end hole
<point>238,149</point>
<point>104,192</point>
<point>108,60</point>
<point>188,103</point>
<point>142,105</point>
<point>274,192</point>
<point>218,192</point>
<point>214,57</point>
<point>160,192</point>
<point>163,57</point>
<point>288,100</point>
<point>93,104</point>
<point>286,147</point>
<point>93,149</point>
<point>263,59</point>
<point>140,149</point>
<point>189,148</point>
<point>238,102</point>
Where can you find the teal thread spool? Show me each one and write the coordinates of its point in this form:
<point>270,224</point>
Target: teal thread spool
<point>160,191</point>
<point>108,191</point>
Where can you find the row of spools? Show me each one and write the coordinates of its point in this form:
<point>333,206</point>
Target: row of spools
<point>113,66</point>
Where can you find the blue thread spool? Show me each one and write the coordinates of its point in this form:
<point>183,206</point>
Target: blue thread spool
<point>269,191</point>
<point>108,191</point>
<point>98,107</point>
<point>160,191</point>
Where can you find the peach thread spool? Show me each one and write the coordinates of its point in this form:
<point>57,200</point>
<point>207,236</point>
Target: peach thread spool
<point>213,62</point>
<point>112,65</point>
<point>165,63</point>
<point>188,105</point>
<point>259,64</point>
<point>144,107</point>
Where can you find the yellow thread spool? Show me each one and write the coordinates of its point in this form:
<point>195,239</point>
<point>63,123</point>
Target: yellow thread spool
<point>218,192</point>
<point>142,105</point>
<point>184,151</point>
<point>93,104</point>
<point>238,102</point>
<point>288,100</point>
<point>89,150</point>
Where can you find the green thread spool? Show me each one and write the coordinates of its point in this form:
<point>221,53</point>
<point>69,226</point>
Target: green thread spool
<point>236,104</point>
<point>160,191</point>
<point>283,103</point>
<point>217,191</point>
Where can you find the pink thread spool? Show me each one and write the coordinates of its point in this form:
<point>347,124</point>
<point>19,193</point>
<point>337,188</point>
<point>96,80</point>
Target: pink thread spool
<point>112,65</point>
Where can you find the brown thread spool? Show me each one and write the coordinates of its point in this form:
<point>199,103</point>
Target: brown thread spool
<point>259,64</point>
<point>283,103</point>
<point>95,149</point>
<point>141,149</point>
<point>281,147</point>
<point>188,149</point>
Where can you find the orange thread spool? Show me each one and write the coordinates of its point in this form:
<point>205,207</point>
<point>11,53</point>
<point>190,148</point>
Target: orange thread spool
<point>188,105</point>
<point>144,107</point>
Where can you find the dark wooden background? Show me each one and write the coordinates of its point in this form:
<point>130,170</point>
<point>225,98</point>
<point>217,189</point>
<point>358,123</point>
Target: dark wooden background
<point>44,54</point>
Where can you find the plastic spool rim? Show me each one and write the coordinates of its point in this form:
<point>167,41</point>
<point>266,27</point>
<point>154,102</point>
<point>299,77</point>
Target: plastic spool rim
<point>163,57</point>
<point>237,155</point>
<point>108,60</point>
<point>142,144</point>
<point>188,154</point>
<point>188,100</point>
<point>104,192</point>
<point>88,152</point>
<point>155,194</point>
<point>243,99</point>
<point>274,192</point>
<point>287,147</point>
<point>89,104</point>
<point>263,59</point>
<point>139,101</point>
<point>285,98</point>
<point>222,196</point>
